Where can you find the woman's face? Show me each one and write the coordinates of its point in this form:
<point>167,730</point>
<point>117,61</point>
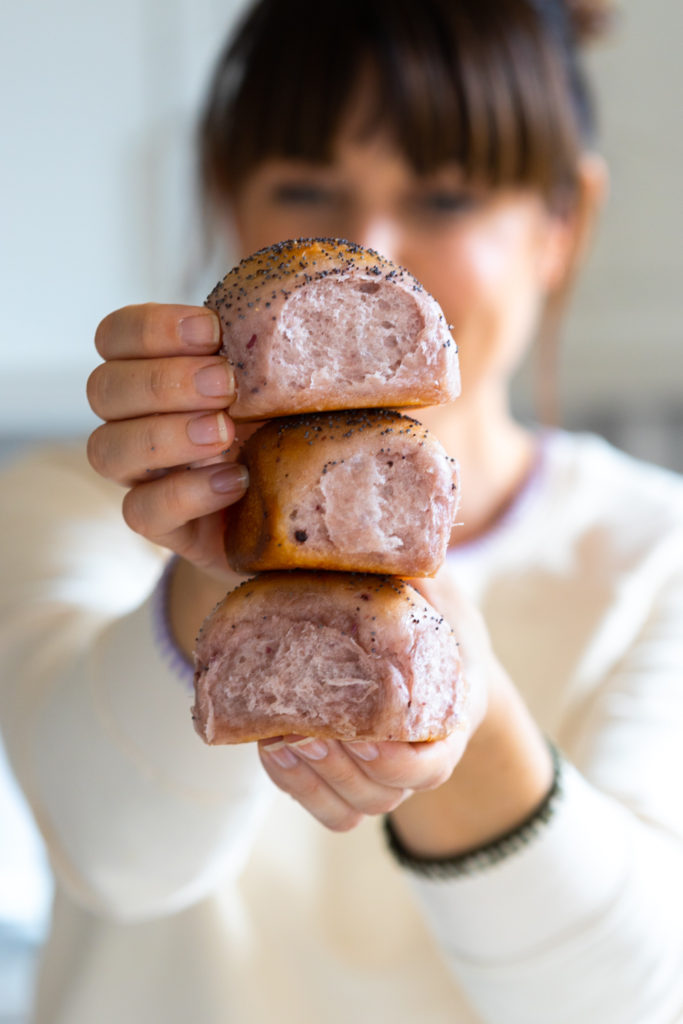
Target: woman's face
<point>487,257</point>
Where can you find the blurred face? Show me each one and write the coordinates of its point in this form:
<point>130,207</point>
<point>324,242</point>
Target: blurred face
<point>487,257</point>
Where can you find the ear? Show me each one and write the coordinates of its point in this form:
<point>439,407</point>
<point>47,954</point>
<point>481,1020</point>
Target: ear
<point>574,231</point>
<point>592,195</point>
<point>572,235</point>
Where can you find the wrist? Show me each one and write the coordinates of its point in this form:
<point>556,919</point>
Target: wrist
<point>504,775</point>
<point>477,859</point>
<point>192,594</point>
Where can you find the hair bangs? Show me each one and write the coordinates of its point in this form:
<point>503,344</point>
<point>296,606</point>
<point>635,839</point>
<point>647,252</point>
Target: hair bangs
<point>478,84</point>
<point>287,94</point>
<point>479,88</point>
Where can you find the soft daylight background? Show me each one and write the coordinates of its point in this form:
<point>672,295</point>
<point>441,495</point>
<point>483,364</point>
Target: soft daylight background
<point>97,211</point>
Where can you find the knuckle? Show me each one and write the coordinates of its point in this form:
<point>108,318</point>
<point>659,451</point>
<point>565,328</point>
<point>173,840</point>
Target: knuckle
<point>102,332</point>
<point>175,497</point>
<point>442,777</point>
<point>398,799</point>
<point>149,438</point>
<point>394,776</point>
<point>97,450</point>
<point>382,804</point>
<point>96,389</point>
<point>387,802</point>
<point>292,786</point>
<point>435,778</point>
<point>343,776</point>
<point>307,787</point>
<point>344,821</point>
<point>148,326</point>
<point>135,512</point>
<point>156,382</point>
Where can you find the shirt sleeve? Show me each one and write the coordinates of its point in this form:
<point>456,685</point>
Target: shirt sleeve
<point>585,922</point>
<point>139,816</point>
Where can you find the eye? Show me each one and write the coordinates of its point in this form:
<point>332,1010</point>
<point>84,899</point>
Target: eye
<point>302,194</point>
<point>446,201</point>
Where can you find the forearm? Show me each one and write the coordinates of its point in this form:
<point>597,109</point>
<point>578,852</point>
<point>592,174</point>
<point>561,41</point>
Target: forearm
<point>577,919</point>
<point>581,922</point>
<point>192,595</point>
<point>503,776</point>
<point>141,817</point>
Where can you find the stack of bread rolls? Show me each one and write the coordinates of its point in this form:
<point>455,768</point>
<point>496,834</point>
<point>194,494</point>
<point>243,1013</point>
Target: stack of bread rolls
<point>346,498</point>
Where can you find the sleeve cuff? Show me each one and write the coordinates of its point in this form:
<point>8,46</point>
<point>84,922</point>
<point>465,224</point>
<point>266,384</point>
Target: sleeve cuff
<point>571,870</point>
<point>171,653</point>
<point>491,853</point>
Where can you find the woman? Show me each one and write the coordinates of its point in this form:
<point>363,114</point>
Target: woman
<point>518,884</point>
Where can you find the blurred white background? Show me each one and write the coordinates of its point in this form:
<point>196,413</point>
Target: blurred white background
<point>622,356</point>
<point>98,210</point>
<point>96,183</point>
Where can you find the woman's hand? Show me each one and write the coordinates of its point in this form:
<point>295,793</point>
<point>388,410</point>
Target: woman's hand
<point>162,391</point>
<point>448,796</point>
<point>340,783</point>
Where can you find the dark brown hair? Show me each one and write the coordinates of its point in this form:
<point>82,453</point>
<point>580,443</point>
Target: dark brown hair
<point>495,85</point>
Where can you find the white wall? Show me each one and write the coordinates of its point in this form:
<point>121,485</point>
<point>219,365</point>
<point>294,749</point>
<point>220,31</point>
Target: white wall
<point>96,128</point>
<point>624,346</point>
<point>98,101</point>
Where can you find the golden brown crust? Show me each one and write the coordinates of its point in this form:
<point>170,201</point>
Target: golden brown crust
<point>287,457</point>
<point>295,262</point>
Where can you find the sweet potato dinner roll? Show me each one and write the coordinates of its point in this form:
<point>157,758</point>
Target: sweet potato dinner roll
<point>363,491</point>
<point>341,655</point>
<point>316,324</point>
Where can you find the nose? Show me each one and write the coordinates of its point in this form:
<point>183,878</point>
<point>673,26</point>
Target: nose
<point>380,233</point>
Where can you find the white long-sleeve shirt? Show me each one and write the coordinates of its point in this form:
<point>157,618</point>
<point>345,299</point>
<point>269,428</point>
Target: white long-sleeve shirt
<point>190,890</point>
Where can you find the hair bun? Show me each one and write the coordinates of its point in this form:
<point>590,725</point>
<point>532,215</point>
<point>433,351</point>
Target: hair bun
<point>590,19</point>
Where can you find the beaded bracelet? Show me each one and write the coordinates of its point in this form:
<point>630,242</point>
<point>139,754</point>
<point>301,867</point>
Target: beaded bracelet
<point>473,861</point>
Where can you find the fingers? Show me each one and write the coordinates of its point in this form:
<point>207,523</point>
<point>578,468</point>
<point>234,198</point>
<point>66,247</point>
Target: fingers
<point>162,392</point>
<point>151,330</point>
<point>326,781</point>
<point>125,388</point>
<point>339,783</point>
<point>292,775</point>
<point>164,410</point>
<point>414,766</point>
<point>130,450</point>
<point>161,509</point>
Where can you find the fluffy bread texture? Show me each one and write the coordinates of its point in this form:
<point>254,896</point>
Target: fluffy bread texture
<point>317,324</point>
<point>359,491</point>
<point>337,655</point>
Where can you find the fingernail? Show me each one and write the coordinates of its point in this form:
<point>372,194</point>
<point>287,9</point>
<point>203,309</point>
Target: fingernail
<point>281,755</point>
<point>365,751</point>
<point>200,331</point>
<point>310,747</point>
<point>209,429</point>
<point>232,479</point>
<point>215,381</point>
